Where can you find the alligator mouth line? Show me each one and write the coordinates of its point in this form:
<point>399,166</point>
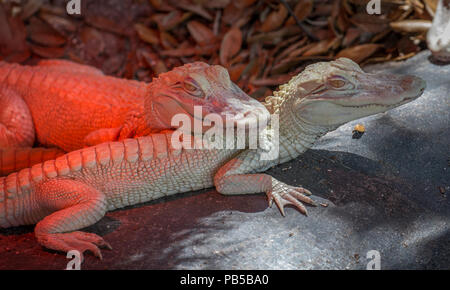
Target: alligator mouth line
<point>405,100</point>
<point>203,117</point>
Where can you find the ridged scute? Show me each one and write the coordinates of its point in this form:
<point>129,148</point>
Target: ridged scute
<point>89,157</point>
<point>25,78</point>
<point>131,150</point>
<point>62,165</point>
<point>3,221</point>
<point>14,74</point>
<point>49,169</point>
<point>75,161</point>
<point>117,151</point>
<point>7,205</point>
<point>24,177</point>
<point>103,153</point>
<point>3,209</point>
<point>11,186</point>
<point>2,191</point>
<point>37,173</point>
<point>159,145</point>
<point>173,150</point>
<point>146,148</point>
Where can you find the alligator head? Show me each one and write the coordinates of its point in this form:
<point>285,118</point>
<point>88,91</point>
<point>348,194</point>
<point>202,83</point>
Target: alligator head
<point>201,85</point>
<point>329,94</point>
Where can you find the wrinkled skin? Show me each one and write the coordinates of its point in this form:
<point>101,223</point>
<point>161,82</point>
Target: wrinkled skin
<point>77,189</point>
<point>70,106</point>
<point>206,86</point>
<point>344,93</point>
<point>320,99</point>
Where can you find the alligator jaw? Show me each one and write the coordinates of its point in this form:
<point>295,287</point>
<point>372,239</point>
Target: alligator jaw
<point>339,92</point>
<point>246,113</point>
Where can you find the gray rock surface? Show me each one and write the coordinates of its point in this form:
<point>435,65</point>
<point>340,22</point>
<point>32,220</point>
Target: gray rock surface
<point>383,193</point>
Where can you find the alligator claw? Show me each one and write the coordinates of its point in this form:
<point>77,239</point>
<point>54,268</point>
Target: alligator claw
<point>79,241</point>
<point>284,194</point>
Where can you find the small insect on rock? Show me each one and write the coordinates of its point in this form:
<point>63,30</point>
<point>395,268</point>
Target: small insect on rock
<point>358,131</point>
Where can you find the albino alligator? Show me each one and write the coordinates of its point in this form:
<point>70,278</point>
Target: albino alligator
<point>438,37</point>
<point>76,190</point>
<point>70,106</point>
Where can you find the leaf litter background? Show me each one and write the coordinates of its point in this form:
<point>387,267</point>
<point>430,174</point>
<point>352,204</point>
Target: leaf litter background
<point>261,43</point>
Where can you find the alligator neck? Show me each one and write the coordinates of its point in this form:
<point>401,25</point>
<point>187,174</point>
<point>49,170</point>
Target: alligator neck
<point>295,134</point>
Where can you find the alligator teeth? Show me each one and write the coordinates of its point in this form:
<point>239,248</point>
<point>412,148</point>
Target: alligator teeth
<point>370,105</point>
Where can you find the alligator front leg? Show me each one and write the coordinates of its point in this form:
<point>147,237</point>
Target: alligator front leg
<point>74,205</point>
<point>239,176</point>
<point>276,190</point>
<point>133,123</point>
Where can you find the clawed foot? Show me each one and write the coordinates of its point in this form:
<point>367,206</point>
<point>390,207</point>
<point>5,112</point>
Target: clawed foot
<point>284,194</point>
<point>79,241</point>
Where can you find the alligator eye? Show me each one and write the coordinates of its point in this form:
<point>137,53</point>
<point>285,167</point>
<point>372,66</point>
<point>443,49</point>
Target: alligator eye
<point>190,87</point>
<point>337,83</point>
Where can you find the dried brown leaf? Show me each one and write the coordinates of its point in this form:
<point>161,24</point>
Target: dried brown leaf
<point>13,45</point>
<point>405,46</point>
<point>113,64</point>
<point>240,57</point>
<point>275,19</point>
<point>231,44</point>
<point>147,34</point>
<point>430,6</point>
<point>156,3</point>
<point>244,3</point>
<point>275,37</point>
<point>110,16</point>
<point>404,56</point>
<point>360,52</point>
<point>294,62</point>
<point>350,36</point>
<point>154,62</point>
<point>321,47</point>
<point>31,7</point>
<point>216,4</point>
<point>60,24</point>
<point>93,41</point>
<point>231,14</point>
<point>167,40</point>
<point>41,33</point>
<point>301,10</point>
<point>194,8</point>
<point>190,51</point>
<point>200,32</point>
<point>48,52</point>
<point>235,71</point>
<point>289,51</point>
<point>170,20</point>
<point>411,26</point>
<point>370,23</point>
<point>52,9</point>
